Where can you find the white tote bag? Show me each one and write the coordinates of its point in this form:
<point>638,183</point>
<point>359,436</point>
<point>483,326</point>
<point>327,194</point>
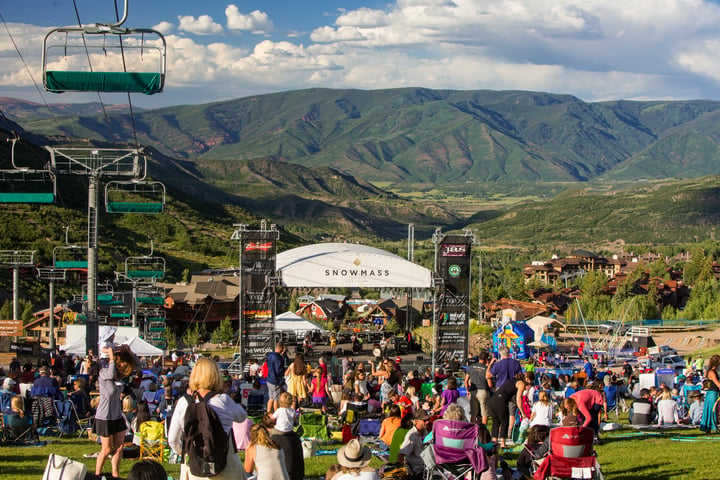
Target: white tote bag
<point>63,468</point>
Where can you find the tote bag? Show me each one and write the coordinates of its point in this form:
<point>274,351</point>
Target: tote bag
<point>63,468</point>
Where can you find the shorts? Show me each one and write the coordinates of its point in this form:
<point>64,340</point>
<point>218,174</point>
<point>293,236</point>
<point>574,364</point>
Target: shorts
<point>480,403</point>
<point>274,391</point>
<point>108,428</point>
<point>512,407</point>
<point>320,400</point>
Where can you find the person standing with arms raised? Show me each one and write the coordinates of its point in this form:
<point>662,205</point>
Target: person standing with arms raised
<point>275,376</point>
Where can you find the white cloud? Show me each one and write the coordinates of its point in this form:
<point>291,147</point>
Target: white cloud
<point>202,25</point>
<point>255,22</point>
<point>364,17</point>
<point>599,49</point>
<point>164,27</point>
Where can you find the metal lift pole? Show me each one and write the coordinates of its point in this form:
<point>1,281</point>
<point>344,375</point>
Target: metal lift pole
<point>91,326</point>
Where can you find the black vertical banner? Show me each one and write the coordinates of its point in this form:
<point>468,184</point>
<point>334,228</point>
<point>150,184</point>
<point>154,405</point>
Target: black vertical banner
<point>453,308</point>
<point>259,251</point>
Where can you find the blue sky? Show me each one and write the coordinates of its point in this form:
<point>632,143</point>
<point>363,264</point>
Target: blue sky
<point>217,50</point>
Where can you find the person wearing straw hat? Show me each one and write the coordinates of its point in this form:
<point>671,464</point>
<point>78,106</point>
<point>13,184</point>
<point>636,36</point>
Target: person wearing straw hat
<point>354,460</point>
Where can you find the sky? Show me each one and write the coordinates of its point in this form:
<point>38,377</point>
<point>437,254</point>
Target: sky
<point>218,50</point>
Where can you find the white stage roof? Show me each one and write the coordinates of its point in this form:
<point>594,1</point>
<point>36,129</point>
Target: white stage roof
<point>349,265</point>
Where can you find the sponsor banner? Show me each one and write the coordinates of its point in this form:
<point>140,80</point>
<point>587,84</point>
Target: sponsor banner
<point>453,308</point>
<point>259,252</point>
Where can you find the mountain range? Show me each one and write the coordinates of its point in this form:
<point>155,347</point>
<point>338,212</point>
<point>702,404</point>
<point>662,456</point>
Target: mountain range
<point>350,164</point>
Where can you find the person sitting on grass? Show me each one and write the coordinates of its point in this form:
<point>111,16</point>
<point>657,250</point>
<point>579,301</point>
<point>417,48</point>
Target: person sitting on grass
<point>696,408</point>
<point>667,409</point>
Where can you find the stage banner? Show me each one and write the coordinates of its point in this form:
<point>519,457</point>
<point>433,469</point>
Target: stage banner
<point>259,252</point>
<point>453,305</point>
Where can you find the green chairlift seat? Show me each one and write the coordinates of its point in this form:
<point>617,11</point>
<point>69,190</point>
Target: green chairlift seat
<point>72,264</point>
<point>134,207</point>
<point>27,197</point>
<point>131,82</point>
<point>145,274</point>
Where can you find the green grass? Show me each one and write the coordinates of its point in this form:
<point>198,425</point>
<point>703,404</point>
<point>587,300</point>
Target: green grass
<point>22,463</point>
<point>626,454</point>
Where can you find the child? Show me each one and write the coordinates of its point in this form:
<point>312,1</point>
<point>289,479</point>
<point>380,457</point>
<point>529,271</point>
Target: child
<point>696,408</point>
<point>284,416</point>
<point>542,411</point>
<point>535,447</point>
<point>491,453</point>
<point>320,388</point>
<point>569,413</point>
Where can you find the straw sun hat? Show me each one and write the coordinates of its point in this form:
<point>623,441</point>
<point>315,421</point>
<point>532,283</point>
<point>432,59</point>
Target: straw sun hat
<point>354,455</point>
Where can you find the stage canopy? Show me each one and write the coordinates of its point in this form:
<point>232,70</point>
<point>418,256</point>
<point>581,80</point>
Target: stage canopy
<point>349,265</point>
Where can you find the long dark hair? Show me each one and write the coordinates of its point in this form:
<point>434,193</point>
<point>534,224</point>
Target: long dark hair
<point>299,367</point>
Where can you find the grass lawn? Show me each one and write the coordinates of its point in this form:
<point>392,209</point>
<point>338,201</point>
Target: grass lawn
<point>626,454</point>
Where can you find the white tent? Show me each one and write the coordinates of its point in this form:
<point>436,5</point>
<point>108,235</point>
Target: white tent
<point>141,348</point>
<point>138,346</point>
<point>292,322</point>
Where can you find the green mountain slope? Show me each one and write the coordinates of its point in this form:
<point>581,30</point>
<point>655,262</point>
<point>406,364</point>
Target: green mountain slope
<point>419,135</point>
<point>663,212</point>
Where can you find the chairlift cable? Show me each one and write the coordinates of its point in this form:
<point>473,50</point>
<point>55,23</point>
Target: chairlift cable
<point>27,69</point>
<point>122,54</point>
<point>87,54</point>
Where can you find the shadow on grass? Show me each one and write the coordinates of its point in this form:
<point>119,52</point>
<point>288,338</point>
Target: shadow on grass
<point>667,472</point>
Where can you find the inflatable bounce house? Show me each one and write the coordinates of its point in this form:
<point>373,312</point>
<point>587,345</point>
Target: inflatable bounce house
<point>514,333</point>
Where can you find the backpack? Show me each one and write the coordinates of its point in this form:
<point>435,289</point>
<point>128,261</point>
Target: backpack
<point>205,443</point>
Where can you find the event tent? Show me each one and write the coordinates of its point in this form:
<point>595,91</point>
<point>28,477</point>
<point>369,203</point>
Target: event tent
<point>138,346</point>
<point>292,322</point>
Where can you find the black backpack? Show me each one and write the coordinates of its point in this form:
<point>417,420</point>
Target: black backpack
<point>205,443</point>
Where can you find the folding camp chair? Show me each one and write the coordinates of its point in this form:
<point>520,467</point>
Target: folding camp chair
<point>66,417</point>
<point>82,414</point>
<point>611,399</point>
<point>43,413</point>
<point>456,452</point>
<point>313,425</point>
<point>571,455</point>
<point>18,430</point>
<point>255,404</point>
<point>152,440</point>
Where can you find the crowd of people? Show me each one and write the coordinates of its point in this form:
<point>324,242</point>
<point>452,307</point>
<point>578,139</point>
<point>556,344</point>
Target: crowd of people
<point>520,402</point>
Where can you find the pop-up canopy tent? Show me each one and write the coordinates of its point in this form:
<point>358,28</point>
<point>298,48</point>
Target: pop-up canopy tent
<point>125,336</point>
<point>292,322</point>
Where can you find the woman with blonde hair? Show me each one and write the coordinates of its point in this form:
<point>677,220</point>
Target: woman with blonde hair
<point>265,456</point>
<point>206,384</point>
<point>454,412</point>
<point>110,423</point>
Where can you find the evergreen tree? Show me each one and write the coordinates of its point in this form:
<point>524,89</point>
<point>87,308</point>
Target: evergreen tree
<point>224,332</point>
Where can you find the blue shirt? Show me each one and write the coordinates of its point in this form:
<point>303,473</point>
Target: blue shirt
<point>276,370</point>
<point>504,370</point>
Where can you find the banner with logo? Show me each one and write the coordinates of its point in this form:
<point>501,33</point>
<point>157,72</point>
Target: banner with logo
<point>453,305</point>
<point>259,251</point>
